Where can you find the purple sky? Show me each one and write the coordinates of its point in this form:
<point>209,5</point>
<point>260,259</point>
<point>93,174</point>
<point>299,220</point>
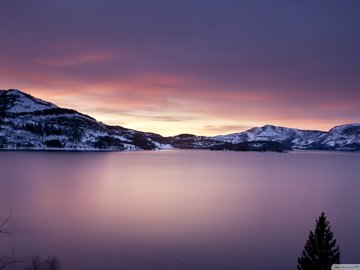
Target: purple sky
<point>206,67</point>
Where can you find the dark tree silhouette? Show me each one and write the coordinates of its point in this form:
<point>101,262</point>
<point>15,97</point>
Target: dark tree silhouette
<point>4,224</point>
<point>5,261</point>
<point>38,264</point>
<point>320,251</point>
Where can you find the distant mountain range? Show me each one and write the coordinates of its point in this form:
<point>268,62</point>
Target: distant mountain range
<point>29,123</point>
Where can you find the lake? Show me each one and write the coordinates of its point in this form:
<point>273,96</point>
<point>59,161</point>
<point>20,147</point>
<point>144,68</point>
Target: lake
<point>177,209</point>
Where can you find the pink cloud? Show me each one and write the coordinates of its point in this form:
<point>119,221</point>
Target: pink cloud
<point>80,58</point>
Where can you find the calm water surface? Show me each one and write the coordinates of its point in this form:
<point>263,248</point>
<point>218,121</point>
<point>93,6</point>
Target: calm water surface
<point>188,210</point>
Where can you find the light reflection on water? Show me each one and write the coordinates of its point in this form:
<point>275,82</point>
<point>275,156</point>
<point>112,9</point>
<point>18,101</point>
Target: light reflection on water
<point>177,209</point>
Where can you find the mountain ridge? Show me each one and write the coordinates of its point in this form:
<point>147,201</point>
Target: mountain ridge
<point>29,123</point>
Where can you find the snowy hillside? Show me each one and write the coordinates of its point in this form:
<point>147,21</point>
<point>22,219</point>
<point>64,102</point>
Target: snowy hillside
<point>345,137</point>
<point>15,101</point>
<point>295,138</point>
<point>30,123</point>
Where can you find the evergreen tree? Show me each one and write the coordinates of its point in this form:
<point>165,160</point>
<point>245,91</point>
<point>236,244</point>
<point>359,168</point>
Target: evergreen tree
<point>320,251</point>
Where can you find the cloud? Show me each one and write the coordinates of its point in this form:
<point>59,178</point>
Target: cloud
<point>226,129</point>
<point>78,59</point>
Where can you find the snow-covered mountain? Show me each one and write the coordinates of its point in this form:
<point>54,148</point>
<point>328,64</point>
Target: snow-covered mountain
<point>30,123</point>
<point>345,137</point>
<point>289,136</point>
<point>27,122</point>
<point>15,101</point>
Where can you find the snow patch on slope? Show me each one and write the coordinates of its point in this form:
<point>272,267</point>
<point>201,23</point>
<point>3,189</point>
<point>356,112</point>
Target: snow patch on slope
<point>343,135</point>
<point>23,103</point>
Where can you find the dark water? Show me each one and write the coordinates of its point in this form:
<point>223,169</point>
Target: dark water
<point>177,209</point>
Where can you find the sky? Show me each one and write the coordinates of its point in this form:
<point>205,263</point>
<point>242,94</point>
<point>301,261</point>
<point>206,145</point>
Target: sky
<point>192,66</point>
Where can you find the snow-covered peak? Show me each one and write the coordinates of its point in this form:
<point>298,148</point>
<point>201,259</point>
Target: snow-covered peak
<point>343,135</point>
<point>15,101</point>
<point>265,133</point>
<point>297,138</point>
<point>342,128</point>
<point>269,133</point>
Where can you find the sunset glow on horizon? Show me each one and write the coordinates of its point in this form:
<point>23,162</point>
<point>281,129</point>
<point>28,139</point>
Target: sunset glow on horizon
<point>201,67</point>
